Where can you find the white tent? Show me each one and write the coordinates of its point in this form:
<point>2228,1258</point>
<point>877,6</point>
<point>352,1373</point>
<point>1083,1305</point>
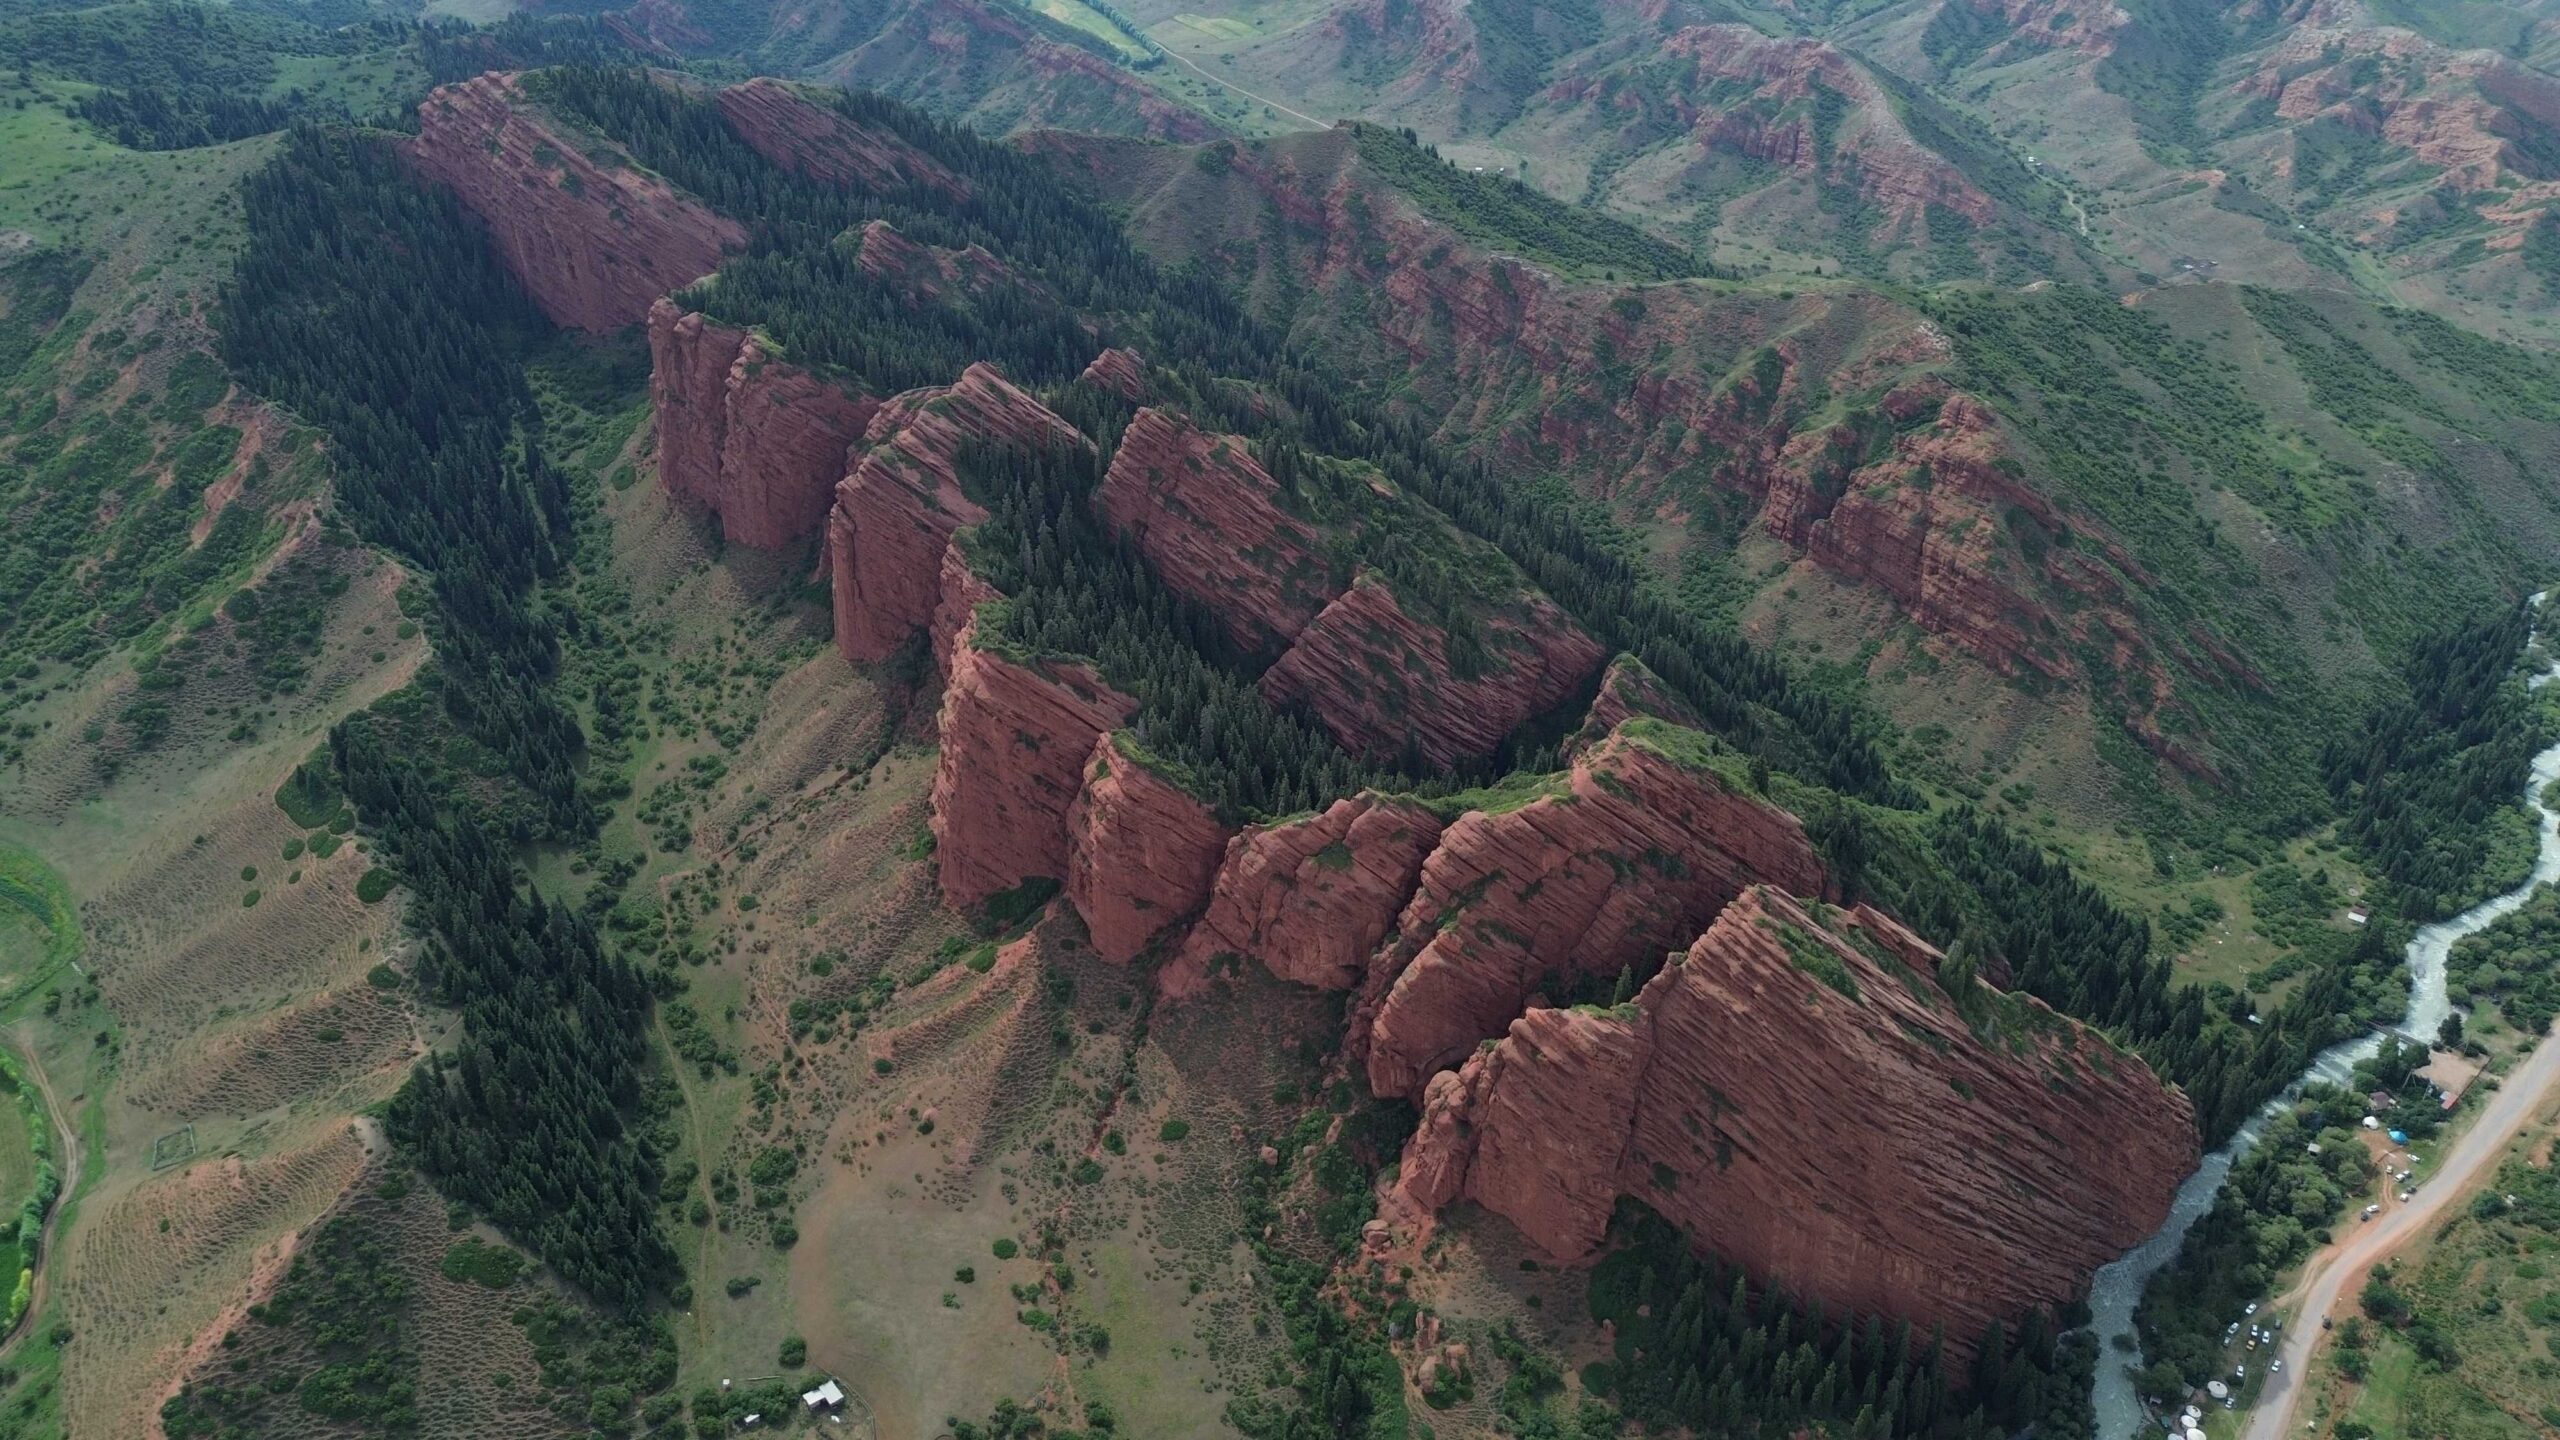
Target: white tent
<point>2216,1389</point>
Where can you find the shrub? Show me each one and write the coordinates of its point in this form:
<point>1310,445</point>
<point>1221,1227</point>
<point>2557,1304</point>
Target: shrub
<point>1006,1249</point>
<point>373,885</point>
<point>1173,1131</point>
<point>795,1352</point>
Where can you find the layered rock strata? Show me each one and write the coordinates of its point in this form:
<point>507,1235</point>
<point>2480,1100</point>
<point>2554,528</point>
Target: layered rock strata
<point>897,509</point>
<point>1310,899</point>
<point>593,245</point>
<point>758,441</point>
<point>1017,736</point>
<point>1141,851</point>
<point>1205,514</point>
<point>1959,1160</point>
<point>1385,684</point>
<point>1626,856</point>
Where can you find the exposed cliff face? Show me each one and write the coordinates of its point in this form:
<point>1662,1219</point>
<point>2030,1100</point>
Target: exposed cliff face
<point>1309,899</point>
<point>1546,375</point>
<point>1016,738</point>
<point>1933,1175</point>
<point>689,361</point>
<point>1121,371</point>
<point>815,139</point>
<point>759,441</point>
<point>1140,851</point>
<point>594,245</point>
<point>1203,512</point>
<point>926,274</point>
<point>1628,689</point>
<point>896,510</point>
<point>1630,856</point>
<point>1383,682</point>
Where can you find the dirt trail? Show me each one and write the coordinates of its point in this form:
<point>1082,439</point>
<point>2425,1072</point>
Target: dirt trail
<point>2326,1279</point>
<point>66,1146</point>
<point>1186,64</point>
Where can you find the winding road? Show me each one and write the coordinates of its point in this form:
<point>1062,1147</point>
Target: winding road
<point>2326,1279</point>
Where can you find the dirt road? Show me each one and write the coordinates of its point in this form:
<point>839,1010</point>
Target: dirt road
<point>2325,1281</point>
<point>68,1157</point>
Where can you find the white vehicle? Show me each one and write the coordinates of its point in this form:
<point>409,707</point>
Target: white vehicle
<point>2275,1366</point>
<point>2252,1310</point>
<point>2372,1210</point>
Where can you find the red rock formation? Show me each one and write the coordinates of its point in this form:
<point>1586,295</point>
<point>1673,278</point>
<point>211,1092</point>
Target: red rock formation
<point>1141,851</point>
<point>1382,681</point>
<point>1627,855</point>
<point>1933,1174</point>
<point>1016,736</point>
<point>1204,513</point>
<point>927,273</point>
<point>1310,899</point>
<point>759,441</point>
<point>689,360</point>
<point>1513,362</point>
<point>1628,688</point>
<point>900,504</point>
<point>593,244</point>
<point>1121,371</point>
<point>813,138</point>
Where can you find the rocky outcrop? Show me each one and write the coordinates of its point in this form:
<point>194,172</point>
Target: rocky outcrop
<point>1549,376</point>
<point>1309,899</point>
<point>1626,856</point>
<point>1385,684</point>
<point>927,274</point>
<point>1628,689</point>
<point>593,244</point>
<point>1141,850</point>
<point>812,137</point>
<point>1120,370</point>
<point>1204,512</point>
<point>757,440</point>
<point>1961,1160</point>
<point>897,509</point>
<point>1016,737</point>
<point>689,360</point>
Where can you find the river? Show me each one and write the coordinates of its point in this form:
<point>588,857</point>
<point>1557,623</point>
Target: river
<point>2115,1290</point>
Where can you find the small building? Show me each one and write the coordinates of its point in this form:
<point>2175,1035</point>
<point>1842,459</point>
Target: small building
<point>827,1396</point>
<point>2360,914</point>
<point>2381,1100</point>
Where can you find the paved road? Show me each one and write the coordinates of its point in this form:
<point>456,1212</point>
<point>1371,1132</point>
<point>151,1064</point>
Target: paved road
<point>2325,1283</point>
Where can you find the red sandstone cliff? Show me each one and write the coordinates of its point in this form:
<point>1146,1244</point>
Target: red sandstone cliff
<point>1016,737</point>
<point>594,245</point>
<point>1140,851</point>
<point>1942,1170</point>
<point>896,510</point>
<point>1627,856</point>
<point>1309,899</point>
<point>1628,688</point>
<point>1383,682</point>
<point>1205,514</point>
<point>1525,367</point>
<point>759,441</point>
<point>1120,370</point>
